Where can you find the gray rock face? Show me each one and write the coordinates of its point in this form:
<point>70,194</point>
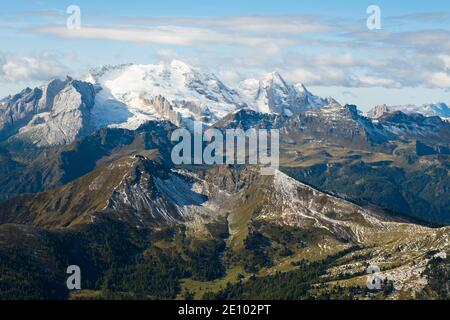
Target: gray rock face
<point>18,110</point>
<point>49,92</point>
<point>164,109</point>
<point>56,113</point>
<point>378,111</point>
<point>285,99</point>
<point>432,130</point>
<point>336,124</point>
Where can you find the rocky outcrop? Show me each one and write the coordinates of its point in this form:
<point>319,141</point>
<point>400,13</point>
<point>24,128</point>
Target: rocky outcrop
<point>56,113</point>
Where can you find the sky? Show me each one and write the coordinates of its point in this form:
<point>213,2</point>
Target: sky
<point>326,45</point>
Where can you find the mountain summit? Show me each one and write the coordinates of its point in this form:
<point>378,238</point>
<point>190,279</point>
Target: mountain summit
<point>168,90</point>
<point>273,94</point>
<point>190,94</point>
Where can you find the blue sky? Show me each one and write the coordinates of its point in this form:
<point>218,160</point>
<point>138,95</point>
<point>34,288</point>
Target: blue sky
<point>324,44</point>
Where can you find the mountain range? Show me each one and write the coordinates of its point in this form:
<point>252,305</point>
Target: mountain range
<point>439,109</point>
<point>127,96</point>
<point>88,180</point>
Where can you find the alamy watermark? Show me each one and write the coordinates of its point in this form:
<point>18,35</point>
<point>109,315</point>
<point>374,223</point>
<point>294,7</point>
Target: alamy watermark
<point>73,22</point>
<point>374,281</point>
<point>374,18</point>
<point>231,146</point>
<point>74,280</point>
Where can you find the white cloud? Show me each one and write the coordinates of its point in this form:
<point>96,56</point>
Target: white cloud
<point>42,67</point>
<point>445,59</point>
<point>321,76</point>
<point>267,24</point>
<point>230,77</point>
<point>345,59</point>
<point>295,24</point>
<point>440,79</point>
<point>428,40</point>
<point>306,49</point>
<point>166,54</point>
<point>425,41</point>
<point>432,17</point>
<point>162,35</point>
<point>378,82</point>
<point>304,75</point>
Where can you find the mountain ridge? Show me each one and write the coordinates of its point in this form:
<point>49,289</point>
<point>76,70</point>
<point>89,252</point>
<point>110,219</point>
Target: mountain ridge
<point>136,192</point>
<point>439,109</point>
<point>127,96</point>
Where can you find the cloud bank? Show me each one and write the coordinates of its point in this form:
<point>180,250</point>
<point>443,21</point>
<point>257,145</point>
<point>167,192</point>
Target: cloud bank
<point>40,67</point>
<point>311,49</point>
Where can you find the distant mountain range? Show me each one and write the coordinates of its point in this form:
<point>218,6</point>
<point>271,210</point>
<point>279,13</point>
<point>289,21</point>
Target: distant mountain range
<point>127,96</point>
<point>439,109</point>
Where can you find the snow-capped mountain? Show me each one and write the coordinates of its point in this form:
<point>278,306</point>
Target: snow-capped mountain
<point>179,92</point>
<point>438,109</point>
<point>126,96</point>
<point>129,95</point>
<point>273,94</point>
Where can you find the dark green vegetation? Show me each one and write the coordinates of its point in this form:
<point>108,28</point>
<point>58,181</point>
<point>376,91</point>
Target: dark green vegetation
<point>45,255</point>
<point>305,282</point>
<point>121,263</point>
<point>423,194</point>
<point>438,275</point>
<point>115,260</point>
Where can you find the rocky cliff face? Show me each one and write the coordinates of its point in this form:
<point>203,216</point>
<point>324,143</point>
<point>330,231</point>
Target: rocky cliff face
<point>163,107</point>
<point>56,113</point>
<point>18,110</point>
<point>432,130</point>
